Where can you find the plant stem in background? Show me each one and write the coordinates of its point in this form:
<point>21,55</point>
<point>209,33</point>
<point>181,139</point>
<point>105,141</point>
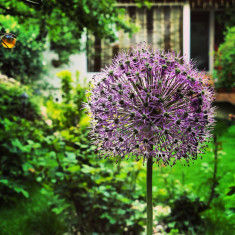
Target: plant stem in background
<point>149,196</point>
<point>215,180</point>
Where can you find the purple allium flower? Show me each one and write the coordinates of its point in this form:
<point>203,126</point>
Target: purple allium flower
<point>151,103</point>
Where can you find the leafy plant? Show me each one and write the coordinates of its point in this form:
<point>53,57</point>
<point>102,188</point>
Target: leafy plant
<point>185,215</point>
<point>100,196</point>
<point>25,61</point>
<point>69,112</point>
<point>37,217</point>
<point>64,23</point>
<point>19,137</point>
<point>225,61</point>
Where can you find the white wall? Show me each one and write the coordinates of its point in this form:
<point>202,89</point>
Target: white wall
<point>77,62</point>
<point>186,30</point>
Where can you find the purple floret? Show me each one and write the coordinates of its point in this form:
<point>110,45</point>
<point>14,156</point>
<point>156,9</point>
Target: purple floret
<point>151,103</point>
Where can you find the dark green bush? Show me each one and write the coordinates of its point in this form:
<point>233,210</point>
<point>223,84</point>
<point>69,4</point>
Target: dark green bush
<point>88,194</point>
<point>225,62</point>
<point>102,197</point>
<point>185,215</point>
<point>17,100</point>
<point>21,135</point>
<point>24,62</point>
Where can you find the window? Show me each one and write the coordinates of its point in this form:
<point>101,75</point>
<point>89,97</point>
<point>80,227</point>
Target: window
<point>200,39</point>
<point>159,26</point>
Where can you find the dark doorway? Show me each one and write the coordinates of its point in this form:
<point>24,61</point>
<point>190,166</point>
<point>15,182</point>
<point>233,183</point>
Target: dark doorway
<point>200,39</point>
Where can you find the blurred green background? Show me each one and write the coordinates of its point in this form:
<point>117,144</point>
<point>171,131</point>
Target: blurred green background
<point>51,180</point>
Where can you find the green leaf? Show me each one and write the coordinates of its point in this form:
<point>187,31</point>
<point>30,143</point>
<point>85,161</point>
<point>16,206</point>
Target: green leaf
<point>74,169</point>
<point>112,220</point>
<point>231,191</point>
<point>87,169</point>
<point>4,181</point>
<point>19,189</point>
<point>121,211</point>
<point>106,194</point>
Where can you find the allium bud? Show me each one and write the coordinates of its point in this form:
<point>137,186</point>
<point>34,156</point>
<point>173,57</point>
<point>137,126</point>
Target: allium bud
<point>155,102</point>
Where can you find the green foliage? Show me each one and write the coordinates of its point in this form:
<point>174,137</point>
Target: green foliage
<point>185,215</point>
<point>49,170</point>
<point>64,22</point>
<point>80,188</point>
<point>19,121</point>
<point>101,196</point>
<point>17,100</point>
<point>69,112</point>
<point>226,19</point>
<point>24,62</point>
<point>225,61</point>
<point>66,86</point>
<point>37,217</point>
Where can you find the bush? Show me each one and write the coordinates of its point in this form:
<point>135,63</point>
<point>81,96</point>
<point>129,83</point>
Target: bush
<point>69,112</point>
<point>86,193</point>
<point>95,194</point>
<point>24,62</point>
<point>17,100</point>
<point>37,217</point>
<point>225,62</point>
<point>20,137</point>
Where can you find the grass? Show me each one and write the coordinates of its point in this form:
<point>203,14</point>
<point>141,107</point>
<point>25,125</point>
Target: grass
<point>196,181</point>
<point>199,171</point>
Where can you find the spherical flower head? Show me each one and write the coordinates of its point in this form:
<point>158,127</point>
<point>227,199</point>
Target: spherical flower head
<point>151,104</point>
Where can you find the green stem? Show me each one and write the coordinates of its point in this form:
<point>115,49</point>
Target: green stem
<point>149,197</point>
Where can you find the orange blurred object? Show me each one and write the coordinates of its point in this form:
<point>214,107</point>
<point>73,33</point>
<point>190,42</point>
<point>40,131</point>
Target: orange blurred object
<point>231,116</point>
<point>31,170</point>
<point>8,40</point>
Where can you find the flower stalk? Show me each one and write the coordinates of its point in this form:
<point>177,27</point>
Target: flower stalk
<point>149,196</point>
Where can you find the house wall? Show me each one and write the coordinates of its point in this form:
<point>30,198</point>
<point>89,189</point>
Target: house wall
<point>77,62</point>
<point>186,30</point>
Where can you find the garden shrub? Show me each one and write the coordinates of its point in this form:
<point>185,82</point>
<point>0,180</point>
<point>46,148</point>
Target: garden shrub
<point>19,136</point>
<point>67,113</point>
<point>53,152</point>
<point>101,196</point>
<point>17,100</point>
<point>31,216</point>
<point>225,62</point>
<point>185,215</point>
<point>24,62</point>
<point>95,194</point>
